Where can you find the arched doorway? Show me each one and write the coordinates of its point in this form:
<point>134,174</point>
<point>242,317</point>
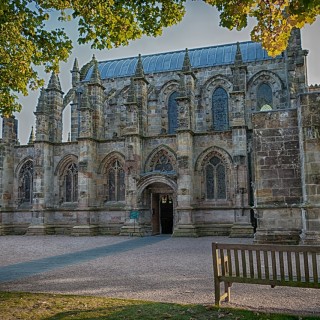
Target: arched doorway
<point>160,199</point>
<point>166,213</point>
<point>157,194</point>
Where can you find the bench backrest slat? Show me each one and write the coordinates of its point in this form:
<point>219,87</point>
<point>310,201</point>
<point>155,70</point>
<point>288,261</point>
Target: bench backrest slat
<point>314,266</point>
<point>251,264</point>
<point>223,269</point>
<point>236,260</point>
<point>282,274</point>
<point>298,266</point>
<point>269,247</point>
<point>266,264</point>
<point>274,265</point>
<point>244,263</point>
<point>230,271</point>
<point>290,271</point>
<point>259,266</point>
<point>306,266</point>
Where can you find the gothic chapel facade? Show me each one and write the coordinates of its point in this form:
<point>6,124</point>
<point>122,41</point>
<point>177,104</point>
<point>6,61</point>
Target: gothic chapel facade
<point>221,140</point>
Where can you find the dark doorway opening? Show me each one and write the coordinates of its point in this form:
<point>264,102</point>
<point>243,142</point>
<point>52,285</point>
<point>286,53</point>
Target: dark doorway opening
<point>166,214</point>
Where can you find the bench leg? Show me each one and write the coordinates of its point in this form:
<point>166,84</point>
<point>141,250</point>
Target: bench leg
<point>227,291</point>
<point>217,292</point>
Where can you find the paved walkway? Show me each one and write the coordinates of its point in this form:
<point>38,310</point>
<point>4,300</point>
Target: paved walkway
<point>31,268</point>
<point>151,268</point>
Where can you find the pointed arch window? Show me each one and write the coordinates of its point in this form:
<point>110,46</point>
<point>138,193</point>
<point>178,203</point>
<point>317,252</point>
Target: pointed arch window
<point>162,161</point>
<point>25,192</point>
<point>71,183</point>
<point>220,110</point>
<point>264,97</point>
<point>116,182</point>
<point>172,113</point>
<point>215,174</point>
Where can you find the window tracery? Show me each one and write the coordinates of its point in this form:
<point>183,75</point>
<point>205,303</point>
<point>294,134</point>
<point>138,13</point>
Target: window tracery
<point>162,162</point>
<point>116,182</point>
<point>220,109</point>
<point>25,191</point>
<point>71,183</point>
<point>172,113</point>
<point>264,97</point>
<point>215,177</point>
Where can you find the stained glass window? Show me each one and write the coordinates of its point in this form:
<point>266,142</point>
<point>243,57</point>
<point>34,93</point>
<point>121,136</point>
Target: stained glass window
<point>173,113</point>
<point>221,181</point>
<point>26,183</point>
<point>215,179</point>
<point>264,96</point>
<point>162,161</point>
<point>163,164</point>
<point>71,183</point>
<point>220,110</point>
<point>116,182</point>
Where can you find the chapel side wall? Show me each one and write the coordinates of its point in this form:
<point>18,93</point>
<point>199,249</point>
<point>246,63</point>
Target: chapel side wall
<point>110,216</point>
<point>309,119</point>
<point>213,217</point>
<point>277,185</point>
<point>209,78</point>
<point>18,221</point>
<point>60,217</point>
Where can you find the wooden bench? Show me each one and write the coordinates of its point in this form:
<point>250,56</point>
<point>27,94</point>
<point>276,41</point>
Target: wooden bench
<point>274,265</point>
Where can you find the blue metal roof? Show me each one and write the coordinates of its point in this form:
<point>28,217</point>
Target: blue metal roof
<point>171,61</point>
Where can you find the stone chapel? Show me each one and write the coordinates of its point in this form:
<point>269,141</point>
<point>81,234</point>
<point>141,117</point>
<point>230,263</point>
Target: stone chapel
<point>221,140</point>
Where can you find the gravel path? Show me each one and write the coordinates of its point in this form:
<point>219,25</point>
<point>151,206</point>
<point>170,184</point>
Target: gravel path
<point>152,268</point>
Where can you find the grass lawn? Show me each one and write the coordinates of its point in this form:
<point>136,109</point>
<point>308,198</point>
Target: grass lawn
<point>19,305</point>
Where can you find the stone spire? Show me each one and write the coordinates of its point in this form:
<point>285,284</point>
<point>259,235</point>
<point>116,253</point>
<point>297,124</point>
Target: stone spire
<point>54,82</point>
<point>186,67</point>
<point>41,106</point>
<point>139,69</point>
<point>75,73</point>
<point>239,71</point>
<point>238,57</point>
<point>32,137</point>
<point>95,76</point>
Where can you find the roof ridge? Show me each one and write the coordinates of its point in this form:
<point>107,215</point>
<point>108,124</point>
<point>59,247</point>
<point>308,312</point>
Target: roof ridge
<point>177,51</point>
<point>173,60</point>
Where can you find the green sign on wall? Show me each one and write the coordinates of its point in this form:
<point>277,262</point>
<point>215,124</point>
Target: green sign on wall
<point>134,214</point>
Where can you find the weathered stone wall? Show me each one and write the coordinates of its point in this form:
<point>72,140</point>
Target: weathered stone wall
<point>161,85</point>
<point>309,118</point>
<point>126,118</point>
<point>277,184</point>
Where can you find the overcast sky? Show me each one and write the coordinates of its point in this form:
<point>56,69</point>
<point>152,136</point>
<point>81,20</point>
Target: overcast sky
<point>199,28</point>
